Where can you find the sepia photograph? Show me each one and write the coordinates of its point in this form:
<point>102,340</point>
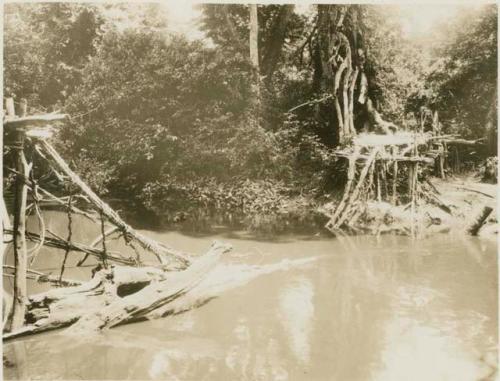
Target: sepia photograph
<point>263,191</point>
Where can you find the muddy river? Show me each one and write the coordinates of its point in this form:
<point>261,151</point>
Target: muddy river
<point>295,308</point>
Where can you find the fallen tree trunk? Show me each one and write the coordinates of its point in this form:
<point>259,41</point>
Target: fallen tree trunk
<point>151,297</point>
<point>117,295</point>
<point>478,224</point>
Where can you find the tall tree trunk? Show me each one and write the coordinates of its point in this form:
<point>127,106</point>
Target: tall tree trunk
<point>324,78</point>
<point>339,62</point>
<point>272,49</point>
<point>491,126</point>
<point>254,47</point>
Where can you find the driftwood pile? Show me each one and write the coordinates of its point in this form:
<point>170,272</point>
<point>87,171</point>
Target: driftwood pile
<point>116,295</point>
<point>387,179</point>
<point>122,288</point>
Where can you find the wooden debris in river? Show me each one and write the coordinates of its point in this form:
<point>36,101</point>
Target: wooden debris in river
<point>114,296</point>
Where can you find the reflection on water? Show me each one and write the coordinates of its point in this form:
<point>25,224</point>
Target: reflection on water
<point>417,352</point>
<point>296,302</point>
<point>328,309</point>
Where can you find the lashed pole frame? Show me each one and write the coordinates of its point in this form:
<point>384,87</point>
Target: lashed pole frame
<point>15,320</point>
<point>20,128</point>
<point>161,251</point>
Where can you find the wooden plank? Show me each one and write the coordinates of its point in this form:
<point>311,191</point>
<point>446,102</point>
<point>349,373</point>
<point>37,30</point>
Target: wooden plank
<point>11,122</point>
<point>387,157</point>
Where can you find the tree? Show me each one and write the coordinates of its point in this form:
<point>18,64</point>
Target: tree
<point>254,48</point>
<point>46,47</point>
<point>343,69</point>
<point>462,80</point>
<point>227,26</point>
<point>169,106</point>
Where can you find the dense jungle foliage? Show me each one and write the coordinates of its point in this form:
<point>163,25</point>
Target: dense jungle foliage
<point>172,123</point>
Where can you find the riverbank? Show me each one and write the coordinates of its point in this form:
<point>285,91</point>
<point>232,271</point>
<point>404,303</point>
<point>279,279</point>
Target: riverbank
<point>452,205</point>
<point>468,196</point>
<point>265,210</point>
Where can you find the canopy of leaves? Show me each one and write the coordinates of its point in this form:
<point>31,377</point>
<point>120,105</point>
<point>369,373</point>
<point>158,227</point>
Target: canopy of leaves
<point>462,80</point>
<point>46,48</point>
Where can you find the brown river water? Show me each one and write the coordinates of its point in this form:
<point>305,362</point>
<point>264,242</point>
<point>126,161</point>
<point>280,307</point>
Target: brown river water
<point>294,308</point>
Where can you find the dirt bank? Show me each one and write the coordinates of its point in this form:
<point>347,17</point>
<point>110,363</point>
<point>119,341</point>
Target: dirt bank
<point>454,204</point>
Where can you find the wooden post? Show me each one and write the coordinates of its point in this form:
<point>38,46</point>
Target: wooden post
<point>445,156</point>
<point>440,163</point>
<point>379,190</point>
<point>384,180</point>
<point>394,177</point>
<point>23,107</point>
<point>435,123</point>
<point>412,184</point>
<point>9,107</point>
<point>411,174</point>
<point>457,160</point>
<point>17,312</point>
<point>5,224</point>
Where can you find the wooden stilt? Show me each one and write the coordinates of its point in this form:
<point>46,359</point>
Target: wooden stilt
<point>354,195</point>
<point>441,162</point>
<point>445,155</point>
<point>411,174</point>
<point>384,180</point>
<point>379,187</point>
<point>16,317</point>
